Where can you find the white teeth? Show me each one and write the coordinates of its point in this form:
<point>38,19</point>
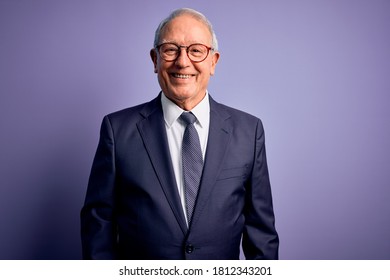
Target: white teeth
<point>181,76</point>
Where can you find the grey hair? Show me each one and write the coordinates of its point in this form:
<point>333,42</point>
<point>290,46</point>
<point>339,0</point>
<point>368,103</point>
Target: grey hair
<point>186,11</point>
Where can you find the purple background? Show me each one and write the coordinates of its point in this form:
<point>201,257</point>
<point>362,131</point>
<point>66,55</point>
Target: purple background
<point>315,72</point>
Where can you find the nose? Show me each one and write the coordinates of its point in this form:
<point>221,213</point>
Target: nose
<point>183,60</point>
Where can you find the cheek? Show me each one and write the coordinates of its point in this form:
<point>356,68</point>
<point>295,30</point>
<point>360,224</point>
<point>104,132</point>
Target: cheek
<point>162,78</point>
<point>207,72</point>
<point>207,69</point>
<point>161,71</point>
<point>162,68</point>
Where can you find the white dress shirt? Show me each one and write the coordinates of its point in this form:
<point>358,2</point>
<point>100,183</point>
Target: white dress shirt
<point>175,131</point>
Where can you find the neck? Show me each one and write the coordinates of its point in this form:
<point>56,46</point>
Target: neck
<point>189,103</point>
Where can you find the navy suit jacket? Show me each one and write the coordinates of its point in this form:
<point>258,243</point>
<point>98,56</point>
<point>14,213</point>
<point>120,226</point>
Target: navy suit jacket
<point>132,208</point>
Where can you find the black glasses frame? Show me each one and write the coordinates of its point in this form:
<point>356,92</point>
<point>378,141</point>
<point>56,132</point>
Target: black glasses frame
<point>185,47</point>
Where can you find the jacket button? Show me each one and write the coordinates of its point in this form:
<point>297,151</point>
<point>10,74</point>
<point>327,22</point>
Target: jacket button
<point>189,249</point>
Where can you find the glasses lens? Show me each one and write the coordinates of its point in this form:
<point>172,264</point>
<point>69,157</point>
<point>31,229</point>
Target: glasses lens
<point>197,52</point>
<point>169,51</point>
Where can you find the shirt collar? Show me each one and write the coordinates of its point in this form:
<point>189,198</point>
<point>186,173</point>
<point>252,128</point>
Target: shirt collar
<point>172,112</point>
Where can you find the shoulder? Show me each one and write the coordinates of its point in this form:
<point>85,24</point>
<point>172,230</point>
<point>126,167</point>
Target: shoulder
<point>242,124</point>
<point>135,113</point>
<point>236,116</point>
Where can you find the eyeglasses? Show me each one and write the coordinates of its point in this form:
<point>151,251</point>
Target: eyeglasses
<point>195,52</point>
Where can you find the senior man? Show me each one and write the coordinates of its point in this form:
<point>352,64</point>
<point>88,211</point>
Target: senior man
<point>181,176</point>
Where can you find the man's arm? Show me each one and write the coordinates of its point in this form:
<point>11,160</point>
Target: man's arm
<point>98,230</point>
<point>260,239</point>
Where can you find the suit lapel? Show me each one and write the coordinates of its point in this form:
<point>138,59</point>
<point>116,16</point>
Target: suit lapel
<point>218,140</point>
<point>153,133</point>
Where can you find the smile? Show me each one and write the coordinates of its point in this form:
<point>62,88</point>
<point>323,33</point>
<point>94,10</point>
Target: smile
<point>181,76</point>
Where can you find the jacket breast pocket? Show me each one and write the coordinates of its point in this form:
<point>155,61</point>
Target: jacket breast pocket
<point>234,172</point>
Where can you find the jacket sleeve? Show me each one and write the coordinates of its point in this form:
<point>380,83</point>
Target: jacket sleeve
<point>98,229</point>
<point>260,239</point>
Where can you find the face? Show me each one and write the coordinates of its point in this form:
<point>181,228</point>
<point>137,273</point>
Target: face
<point>183,81</point>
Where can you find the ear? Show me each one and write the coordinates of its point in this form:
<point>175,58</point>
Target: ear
<point>214,61</point>
<point>153,56</point>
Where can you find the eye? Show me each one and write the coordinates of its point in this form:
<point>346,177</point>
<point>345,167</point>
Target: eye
<point>169,49</point>
<point>197,50</point>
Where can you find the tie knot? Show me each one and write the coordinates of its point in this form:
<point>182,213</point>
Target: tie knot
<point>188,118</point>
